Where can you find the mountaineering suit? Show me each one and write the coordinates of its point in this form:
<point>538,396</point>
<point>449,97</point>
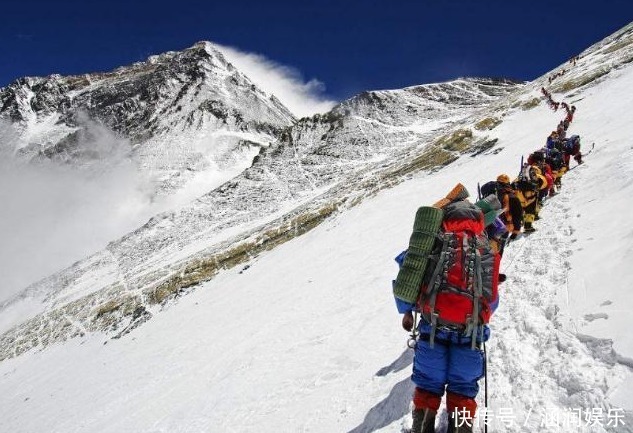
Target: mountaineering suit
<point>555,160</point>
<point>571,147</point>
<point>446,357</point>
<point>562,131</point>
<point>512,210</point>
<point>528,186</point>
<point>552,140</point>
<point>546,171</point>
<point>570,113</point>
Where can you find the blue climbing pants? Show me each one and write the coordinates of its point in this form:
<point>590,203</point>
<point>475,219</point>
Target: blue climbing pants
<point>448,366</point>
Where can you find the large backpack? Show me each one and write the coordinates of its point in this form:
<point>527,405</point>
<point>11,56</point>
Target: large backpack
<point>489,188</point>
<point>426,226</point>
<point>536,157</point>
<point>569,146</point>
<point>527,179</point>
<point>575,141</point>
<point>460,282</point>
<point>555,160</point>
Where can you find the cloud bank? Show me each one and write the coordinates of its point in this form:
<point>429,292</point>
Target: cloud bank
<point>53,213</point>
<point>286,83</point>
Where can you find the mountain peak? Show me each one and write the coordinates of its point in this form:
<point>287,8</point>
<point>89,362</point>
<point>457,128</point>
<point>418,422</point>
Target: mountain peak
<point>192,103</point>
<point>202,51</point>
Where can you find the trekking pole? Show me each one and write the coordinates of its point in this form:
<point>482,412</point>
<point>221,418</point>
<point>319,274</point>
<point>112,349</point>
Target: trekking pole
<point>485,387</point>
<point>517,254</point>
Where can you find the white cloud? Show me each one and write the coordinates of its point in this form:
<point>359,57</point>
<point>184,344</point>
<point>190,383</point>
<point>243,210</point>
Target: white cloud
<point>54,213</point>
<point>286,83</point>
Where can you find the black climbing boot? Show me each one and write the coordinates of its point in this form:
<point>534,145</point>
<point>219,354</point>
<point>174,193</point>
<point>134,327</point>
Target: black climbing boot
<point>423,421</point>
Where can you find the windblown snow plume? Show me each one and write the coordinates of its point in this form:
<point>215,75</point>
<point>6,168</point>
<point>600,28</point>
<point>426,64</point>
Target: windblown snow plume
<point>285,82</point>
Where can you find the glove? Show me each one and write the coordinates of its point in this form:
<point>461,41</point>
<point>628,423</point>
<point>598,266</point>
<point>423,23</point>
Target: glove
<point>407,321</point>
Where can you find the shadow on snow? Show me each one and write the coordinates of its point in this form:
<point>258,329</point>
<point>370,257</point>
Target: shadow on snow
<point>396,404</point>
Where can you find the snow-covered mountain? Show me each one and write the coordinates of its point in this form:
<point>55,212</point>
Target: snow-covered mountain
<point>183,114</point>
<point>311,169</point>
<point>167,131</point>
<point>303,336</point>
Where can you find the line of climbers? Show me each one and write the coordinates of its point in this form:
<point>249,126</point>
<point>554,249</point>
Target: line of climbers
<point>548,98</point>
<point>556,75</point>
<point>540,177</point>
<point>572,62</point>
<point>449,277</point>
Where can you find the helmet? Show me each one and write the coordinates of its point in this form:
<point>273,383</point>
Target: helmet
<point>503,178</point>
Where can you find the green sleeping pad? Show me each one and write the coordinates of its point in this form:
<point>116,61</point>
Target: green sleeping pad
<point>428,221</point>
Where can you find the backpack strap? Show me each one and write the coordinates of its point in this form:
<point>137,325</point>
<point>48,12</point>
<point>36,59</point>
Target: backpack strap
<point>434,283</point>
<point>477,293</point>
<point>472,262</point>
<point>465,258</point>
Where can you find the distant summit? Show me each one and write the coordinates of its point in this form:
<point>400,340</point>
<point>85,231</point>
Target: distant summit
<point>182,112</point>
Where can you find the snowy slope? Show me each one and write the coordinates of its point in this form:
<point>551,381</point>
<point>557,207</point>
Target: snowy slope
<point>319,164</point>
<point>306,337</point>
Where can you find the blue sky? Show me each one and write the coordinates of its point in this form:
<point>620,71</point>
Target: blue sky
<point>349,46</point>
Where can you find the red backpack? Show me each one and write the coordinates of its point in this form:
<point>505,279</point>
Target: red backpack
<point>458,290</point>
